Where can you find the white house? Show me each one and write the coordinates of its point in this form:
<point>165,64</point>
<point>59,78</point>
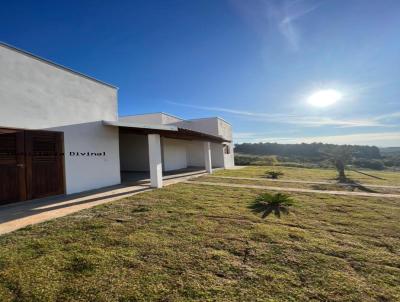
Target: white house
<point>60,133</point>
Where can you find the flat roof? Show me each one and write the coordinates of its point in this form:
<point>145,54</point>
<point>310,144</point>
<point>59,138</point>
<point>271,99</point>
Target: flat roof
<point>26,53</point>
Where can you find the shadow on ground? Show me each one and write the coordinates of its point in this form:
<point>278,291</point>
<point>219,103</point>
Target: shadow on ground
<point>352,184</point>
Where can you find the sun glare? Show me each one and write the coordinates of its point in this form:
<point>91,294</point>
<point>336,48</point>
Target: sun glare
<point>324,98</point>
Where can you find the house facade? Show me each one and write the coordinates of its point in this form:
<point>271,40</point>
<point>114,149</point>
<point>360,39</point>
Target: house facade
<point>60,133</point>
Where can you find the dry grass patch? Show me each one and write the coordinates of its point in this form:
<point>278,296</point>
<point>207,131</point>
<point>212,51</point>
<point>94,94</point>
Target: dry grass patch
<point>204,243</point>
<point>323,187</point>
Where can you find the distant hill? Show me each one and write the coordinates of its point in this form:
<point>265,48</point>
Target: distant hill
<point>315,154</point>
<point>390,151</point>
<point>313,151</point>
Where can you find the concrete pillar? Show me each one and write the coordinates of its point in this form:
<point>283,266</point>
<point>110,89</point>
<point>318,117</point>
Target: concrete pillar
<point>155,161</point>
<point>207,157</point>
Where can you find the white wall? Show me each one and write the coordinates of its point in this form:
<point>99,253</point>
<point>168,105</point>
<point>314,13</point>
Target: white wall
<point>151,118</point>
<point>229,159</point>
<point>224,129</point>
<point>217,155</point>
<point>174,154</point>
<point>90,172</point>
<point>213,126</point>
<point>38,95</point>
<point>195,154</point>
<point>134,152</point>
<point>206,125</point>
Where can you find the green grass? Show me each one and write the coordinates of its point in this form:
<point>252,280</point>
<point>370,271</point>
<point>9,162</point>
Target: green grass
<point>314,174</point>
<point>324,187</point>
<point>204,243</point>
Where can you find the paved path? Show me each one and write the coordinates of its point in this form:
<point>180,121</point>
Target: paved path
<point>309,182</point>
<point>294,189</point>
<point>20,214</point>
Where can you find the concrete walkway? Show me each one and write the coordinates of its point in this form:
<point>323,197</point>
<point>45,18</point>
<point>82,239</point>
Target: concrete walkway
<point>222,184</point>
<point>20,214</point>
<point>309,182</point>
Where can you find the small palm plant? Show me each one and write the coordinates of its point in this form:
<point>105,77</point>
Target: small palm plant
<point>267,203</point>
<point>274,174</point>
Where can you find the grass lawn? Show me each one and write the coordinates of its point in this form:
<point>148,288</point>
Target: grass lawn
<point>324,187</point>
<point>204,243</point>
<point>314,174</point>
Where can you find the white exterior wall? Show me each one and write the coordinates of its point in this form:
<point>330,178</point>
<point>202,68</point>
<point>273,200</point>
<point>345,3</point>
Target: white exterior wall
<point>195,155</point>
<point>134,152</point>
<point>38,95</point>
<point>206,125</point>
<point>224,129</point>
<point>90,172</point>
<point>218,127</point>
<point>213,125</point>
<point>229,159</point>
<point>217,155</point>
<point>174,153</point>
<point>151,118</point>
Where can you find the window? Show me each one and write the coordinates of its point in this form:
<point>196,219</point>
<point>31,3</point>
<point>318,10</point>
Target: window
<point>227,149</point>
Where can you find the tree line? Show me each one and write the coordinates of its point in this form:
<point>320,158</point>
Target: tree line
<point>314,150</point>
<point>316,155</point>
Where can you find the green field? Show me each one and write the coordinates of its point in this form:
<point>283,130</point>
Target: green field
<point>314,174</point>
<point>191,242</point>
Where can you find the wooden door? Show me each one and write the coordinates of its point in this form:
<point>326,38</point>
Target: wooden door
<point>44,163</point>
<point>31,164</point>
<point>12,166</point>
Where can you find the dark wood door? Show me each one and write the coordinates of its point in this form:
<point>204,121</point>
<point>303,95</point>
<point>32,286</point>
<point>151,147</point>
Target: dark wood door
<point>44,163</point>
<point>31,164</point>
<point>12,166</point>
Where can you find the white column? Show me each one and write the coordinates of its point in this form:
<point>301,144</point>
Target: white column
<point>155,161</point>
<point>207,157</point>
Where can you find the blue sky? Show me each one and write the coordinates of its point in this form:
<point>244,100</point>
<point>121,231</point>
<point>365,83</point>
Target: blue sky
<point>254,63</point>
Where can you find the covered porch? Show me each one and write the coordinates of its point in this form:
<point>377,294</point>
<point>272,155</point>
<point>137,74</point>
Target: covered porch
<point>153,153</point>
<point>137,177</point>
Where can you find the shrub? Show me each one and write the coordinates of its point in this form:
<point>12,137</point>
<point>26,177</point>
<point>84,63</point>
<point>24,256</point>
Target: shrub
<point>274,174</point>
<point>267,203</point>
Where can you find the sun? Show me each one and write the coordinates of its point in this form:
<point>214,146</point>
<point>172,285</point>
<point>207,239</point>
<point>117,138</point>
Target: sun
<point>324,98</point>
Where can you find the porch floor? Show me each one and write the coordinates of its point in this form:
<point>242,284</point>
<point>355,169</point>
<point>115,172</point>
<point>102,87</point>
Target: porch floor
<point>133,177</point>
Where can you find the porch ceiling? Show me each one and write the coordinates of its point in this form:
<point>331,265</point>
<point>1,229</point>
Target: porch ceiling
<point>168,131</point>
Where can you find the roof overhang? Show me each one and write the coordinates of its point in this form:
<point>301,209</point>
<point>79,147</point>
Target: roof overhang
<point>140,125</point>
<point>168,131</point>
